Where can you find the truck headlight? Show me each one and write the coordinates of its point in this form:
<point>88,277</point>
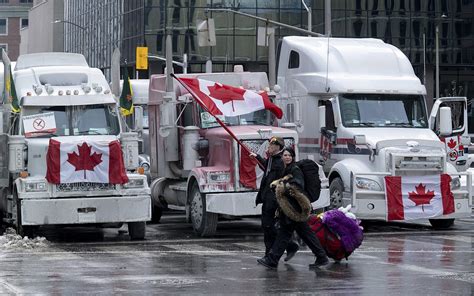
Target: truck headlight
<point>36,186</point>
<point>218,177</point>
<point>367,184</point>
<point>134,183</point>
<point>455,183</point>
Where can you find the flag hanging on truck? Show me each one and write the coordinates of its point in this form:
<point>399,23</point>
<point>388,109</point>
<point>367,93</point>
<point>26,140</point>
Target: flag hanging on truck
<point>126,101</point>
<point>95,162</point>
<point>221,99</point>
<point>418,197</point>
<point>11,92</point>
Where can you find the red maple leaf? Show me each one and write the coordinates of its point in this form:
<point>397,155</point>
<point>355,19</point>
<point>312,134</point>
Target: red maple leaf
<point>84,161</point>
<point>226,93</point>
<point>452,144</point>
<point>421,197</point>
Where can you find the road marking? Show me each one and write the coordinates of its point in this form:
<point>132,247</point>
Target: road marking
<point>11,288</point>
<point>458,238</point>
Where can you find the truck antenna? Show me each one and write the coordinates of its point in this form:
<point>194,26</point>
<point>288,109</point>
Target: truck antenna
<point>328,88</point>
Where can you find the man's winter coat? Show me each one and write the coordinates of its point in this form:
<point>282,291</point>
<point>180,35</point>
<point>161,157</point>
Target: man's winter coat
<point>274,169</point>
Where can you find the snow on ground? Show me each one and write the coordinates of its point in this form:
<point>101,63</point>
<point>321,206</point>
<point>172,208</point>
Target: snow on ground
<point>12,241</point>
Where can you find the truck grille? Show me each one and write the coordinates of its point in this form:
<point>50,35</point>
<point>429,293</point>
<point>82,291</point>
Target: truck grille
<point>84,186</point>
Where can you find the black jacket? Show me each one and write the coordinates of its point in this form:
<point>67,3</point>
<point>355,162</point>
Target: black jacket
<point>275,172</point>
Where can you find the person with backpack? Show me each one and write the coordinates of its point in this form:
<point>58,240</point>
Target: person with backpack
<point>294,180</point>
<point>274,168</point>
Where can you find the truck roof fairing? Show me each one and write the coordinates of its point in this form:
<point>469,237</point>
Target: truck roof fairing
<point>356,65</point>
<point>75,100</point>
<point>48,59</point>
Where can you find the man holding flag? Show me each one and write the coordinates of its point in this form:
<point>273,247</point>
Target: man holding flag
<point>225,100</point>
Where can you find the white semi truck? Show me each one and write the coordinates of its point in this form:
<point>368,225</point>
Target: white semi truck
<point>65,103</point>
<point>360,111</point>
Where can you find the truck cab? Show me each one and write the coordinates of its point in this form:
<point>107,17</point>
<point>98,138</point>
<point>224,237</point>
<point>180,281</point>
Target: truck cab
<point>65,103</point>
<point>196,165</point>
<point>361,111</point>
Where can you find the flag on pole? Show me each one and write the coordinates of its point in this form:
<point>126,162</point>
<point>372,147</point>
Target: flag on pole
<point>418,197</point>
<point>221,99</point>
<point>126,102</point>
<point>11,92</point>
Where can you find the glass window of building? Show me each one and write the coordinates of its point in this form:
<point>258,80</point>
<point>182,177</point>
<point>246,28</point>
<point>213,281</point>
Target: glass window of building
<point>3,26</point>
<point>24,23</point>
<point>4,46</point>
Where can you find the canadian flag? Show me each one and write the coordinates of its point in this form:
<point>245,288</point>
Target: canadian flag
<point>249,172</point>
<point>91,161</point>
<point>418,197</point>
<point>221,99</point>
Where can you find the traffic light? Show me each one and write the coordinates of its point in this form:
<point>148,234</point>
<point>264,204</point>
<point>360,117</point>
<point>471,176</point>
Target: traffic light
<point>142,58</point>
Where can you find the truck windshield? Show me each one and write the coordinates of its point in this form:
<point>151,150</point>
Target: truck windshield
<point>97,119</point>
<point>262,117</point>
<point>374,110</point>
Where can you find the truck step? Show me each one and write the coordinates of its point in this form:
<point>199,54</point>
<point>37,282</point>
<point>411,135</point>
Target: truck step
<point>178,187</point>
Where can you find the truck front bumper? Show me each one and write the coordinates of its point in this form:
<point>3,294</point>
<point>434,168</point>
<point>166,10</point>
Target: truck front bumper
<point>86,210</point>
<point>234,203</point>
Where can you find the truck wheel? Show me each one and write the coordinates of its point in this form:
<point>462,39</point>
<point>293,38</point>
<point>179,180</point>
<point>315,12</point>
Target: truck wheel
<point>336,188</point>
<point>441,223</point>
<point>204,223</point>
<point>136,230</point>
<point>22,230</point>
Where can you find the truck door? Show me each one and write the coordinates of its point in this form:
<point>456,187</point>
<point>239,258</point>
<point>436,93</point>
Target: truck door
<point>456,143</point>
<point>328,137</point>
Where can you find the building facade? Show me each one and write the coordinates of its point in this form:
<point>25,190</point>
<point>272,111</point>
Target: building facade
<point>42,34</point>
<point>13,17</point>
<point>408,24</point>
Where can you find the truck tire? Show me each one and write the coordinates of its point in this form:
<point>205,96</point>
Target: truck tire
<point>22,230</point>
<point>137,230</point>
<point>441,223</point>
<point>336,189</point>
<point>204,223</point>
<point>156,214</point>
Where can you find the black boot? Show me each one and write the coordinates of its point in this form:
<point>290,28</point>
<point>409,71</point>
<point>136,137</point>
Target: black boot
<point>320,261</point>
<point>291,253</point>
<point>267,262</point>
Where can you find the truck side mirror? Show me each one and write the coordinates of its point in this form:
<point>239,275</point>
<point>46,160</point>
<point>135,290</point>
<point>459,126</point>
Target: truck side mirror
<point>322,116</point>
<point>445,123</point>
<point>138,114</point>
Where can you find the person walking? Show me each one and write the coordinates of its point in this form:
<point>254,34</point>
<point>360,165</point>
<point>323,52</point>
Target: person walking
<point>274,169</point>
<point>288,226</point>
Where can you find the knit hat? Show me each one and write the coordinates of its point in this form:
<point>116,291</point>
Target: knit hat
<point>277,141</point>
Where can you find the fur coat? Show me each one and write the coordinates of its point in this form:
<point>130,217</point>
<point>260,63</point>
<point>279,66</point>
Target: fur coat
<point>292,200</point>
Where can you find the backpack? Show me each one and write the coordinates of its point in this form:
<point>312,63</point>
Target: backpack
<point>312,183</point>
<point>330,241</point>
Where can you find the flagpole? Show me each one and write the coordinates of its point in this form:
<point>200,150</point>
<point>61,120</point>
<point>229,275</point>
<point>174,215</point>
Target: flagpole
<point>226,128</point>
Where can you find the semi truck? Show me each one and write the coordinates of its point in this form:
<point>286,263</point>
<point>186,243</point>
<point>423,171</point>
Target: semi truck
<point>66,159</point>
<point>196,164</point>
<point>360,110</point>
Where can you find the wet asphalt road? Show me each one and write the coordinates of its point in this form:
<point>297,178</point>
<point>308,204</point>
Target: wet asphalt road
<point>394,259</point>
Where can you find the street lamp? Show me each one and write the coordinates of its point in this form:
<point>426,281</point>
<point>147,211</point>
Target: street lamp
<point>308,10</point>
<point>84,29</point>
<point>443,17</point>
